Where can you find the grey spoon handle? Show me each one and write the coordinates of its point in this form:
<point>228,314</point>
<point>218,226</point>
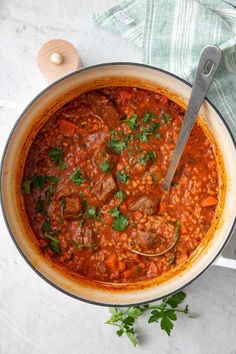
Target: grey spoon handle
<point>208,64</point>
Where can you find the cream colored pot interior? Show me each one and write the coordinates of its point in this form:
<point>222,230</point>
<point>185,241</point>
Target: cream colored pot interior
<point>33,118</point>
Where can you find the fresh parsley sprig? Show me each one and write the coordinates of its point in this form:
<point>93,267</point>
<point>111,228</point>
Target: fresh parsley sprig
<point>56,155</point>
<point>164,313</point>
<point>120,221</point>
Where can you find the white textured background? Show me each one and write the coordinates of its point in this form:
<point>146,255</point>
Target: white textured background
<point>34,317</point>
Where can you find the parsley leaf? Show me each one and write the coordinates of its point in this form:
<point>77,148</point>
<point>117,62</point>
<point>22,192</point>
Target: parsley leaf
<point>166,118</point>
<point>122,176</point>
<point>132,122</point>
<point>38,181</point>
<point>164,313</point>
<point>26,187</point>
<point>56,156</point>
<point>92,212</point>
<point>116,145</point>
<point>53,245</point>
<point>176,299</point>
<point>105,166</point>
<point>50,233</point>
<point>77,177</point>
<point>115,212</point>
<point>120,195</point>
<point>120,221</point>
<point>39,207</point>
<point>147,116</point>
<point>145,157</point>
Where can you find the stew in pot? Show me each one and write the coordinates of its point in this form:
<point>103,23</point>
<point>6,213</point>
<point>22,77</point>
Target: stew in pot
<point>92,186</point>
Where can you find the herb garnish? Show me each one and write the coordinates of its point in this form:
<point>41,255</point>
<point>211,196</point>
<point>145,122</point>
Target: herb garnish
<point>77,177</point>
<point>147,116</point>
<point>26,186</point>
<point>145,157</point>
<point>56,156</point>
<point>166,118</point>
<point>92,212</point>
<point>50,233</point>
<point>120,221</point>
<point>122,176</point>
<point>120,195</point>
<point>105,166</point>
<point>116,145</point>
<point>132,122</point>
<point>164,313</point>
<point>38,181</point>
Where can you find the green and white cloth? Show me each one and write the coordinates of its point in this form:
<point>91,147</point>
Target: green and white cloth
<point>172,33</point>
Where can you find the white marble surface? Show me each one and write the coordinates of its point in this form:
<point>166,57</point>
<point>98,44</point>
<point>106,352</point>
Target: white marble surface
<point>34,317</point>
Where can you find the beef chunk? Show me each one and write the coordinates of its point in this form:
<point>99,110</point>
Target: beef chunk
<point>104,188</point>
<point>146,204</point>
<point>148,240</point>
<point>73,208</point>
<point>104,108</point>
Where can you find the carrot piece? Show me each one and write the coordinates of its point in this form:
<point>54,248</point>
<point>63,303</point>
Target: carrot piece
<point>208,201</point>
<point>67,127</point>
<point>163,206</point>
<point>111,262</point>
<point>128,273</point>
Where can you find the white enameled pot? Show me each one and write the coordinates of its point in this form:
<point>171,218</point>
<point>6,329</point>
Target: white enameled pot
<point>23,133</point>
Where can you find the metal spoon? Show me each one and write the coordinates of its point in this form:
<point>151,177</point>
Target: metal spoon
<point>208,64</point>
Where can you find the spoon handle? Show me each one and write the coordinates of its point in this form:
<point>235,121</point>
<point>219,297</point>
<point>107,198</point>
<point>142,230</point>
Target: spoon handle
<point>208,64</point>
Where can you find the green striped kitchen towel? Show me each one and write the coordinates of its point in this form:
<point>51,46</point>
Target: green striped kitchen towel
<point>172,33</point>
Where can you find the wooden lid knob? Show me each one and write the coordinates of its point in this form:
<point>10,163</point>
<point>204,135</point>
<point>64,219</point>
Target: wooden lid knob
<point>57,58</point>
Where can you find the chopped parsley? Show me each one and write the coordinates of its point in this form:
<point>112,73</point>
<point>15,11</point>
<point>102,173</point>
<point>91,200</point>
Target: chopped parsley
<point>92,212</point>
<point>122,176</point>
<point>116,145</point>
<point>120,221</point>
<point>50,234</point>
<point>147,116</point>
<point>77,177</point>
<point>38,181</point>
<point>115,212</point>
<point>121,195</point>
<point>26,187</point>
<point>166,118</point>
<point>48,196</point>
<point>56,156</point>
<point>145,157</point>
<point>137,148</point>
<point>82,195</point>
<point>105,166</point>
<point>46,226</point>
<point>132,122</point>
<point>172,259</point>
<point>39,206</point>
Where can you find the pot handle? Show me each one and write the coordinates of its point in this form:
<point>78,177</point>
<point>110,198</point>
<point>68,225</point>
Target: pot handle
<point>225,262</point>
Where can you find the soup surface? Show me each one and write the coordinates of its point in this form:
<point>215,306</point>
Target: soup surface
<point>92,186</point>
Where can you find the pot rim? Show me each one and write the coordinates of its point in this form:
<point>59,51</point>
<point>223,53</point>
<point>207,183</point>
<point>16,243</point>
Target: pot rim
<point>1,178</point>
